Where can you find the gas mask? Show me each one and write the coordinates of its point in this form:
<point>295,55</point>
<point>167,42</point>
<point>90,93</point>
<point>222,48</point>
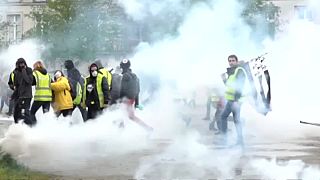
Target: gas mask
<point>94,73</point>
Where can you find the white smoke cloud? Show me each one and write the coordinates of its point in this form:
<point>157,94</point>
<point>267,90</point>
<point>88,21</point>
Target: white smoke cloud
<point>295,169</point>
<point>194,58</point>
<point>30,50</point>
<point>141,9</point>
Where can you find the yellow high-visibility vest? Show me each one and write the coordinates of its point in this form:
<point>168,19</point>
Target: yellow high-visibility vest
<point>43,87</point>
<point>231,89</point>
<point>108,75</point>
<point>99,90</point>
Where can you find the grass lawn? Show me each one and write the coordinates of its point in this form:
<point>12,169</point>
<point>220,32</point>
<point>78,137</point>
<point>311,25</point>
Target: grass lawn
<point>9,169</point>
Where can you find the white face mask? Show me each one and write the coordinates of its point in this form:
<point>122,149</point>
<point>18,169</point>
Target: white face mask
<point>94,73</point>
<point>57,74</point>
<point>89,87</point>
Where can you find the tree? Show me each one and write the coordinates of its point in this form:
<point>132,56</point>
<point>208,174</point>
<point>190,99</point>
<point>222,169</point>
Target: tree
<point>77,29</point>
<point>3,32</point>
<point>85,28</point>
<point>262,16</point>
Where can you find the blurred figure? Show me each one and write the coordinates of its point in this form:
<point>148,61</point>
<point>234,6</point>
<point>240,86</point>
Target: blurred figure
<point>43,94</point>
<point>10,91</point>
<point>235,84</point>
<point>129,92</point>
<point>96,92</point>
<point>62,103</point>
<point>77,83</point>
<point>116,85</point>
<point>3,93</point>
<point>217,102</point>
<point>22,95</point>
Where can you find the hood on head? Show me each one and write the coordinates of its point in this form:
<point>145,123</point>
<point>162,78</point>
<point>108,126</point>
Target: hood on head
<point>19,61</point>
<point>93,65</point>
<point>68,64</point>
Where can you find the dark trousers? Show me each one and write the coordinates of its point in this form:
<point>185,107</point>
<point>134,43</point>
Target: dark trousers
<point>36,106</point>
<point>235,108</point>
<point>65,112</point>
<point>21,110</point>
<point>83,111</point>
<point>93,112</point>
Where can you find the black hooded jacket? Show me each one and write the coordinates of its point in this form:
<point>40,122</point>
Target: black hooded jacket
<point>130,86</point>
<point>93,95</point>
<point>73,74</point>
<point>23,79</point>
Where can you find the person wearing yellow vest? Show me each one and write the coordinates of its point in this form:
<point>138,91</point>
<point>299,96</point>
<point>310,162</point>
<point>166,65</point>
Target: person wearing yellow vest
<point>96,94</point>
<point>235,84</point>
<point>105,72</point>
<point>22,93</point>
<point>43,94</point>
<point>62,103</point>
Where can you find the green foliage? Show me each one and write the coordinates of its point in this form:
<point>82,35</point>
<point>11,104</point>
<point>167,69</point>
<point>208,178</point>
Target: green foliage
<point>10,169</point>
<point>262,16</point>
<point>83,29</point>
<point>78,29</point>
<point>3,31</point>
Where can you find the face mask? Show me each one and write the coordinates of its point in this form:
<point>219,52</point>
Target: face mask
<point>94,73</point>
<point>89,87</point>
<point>57,74</point>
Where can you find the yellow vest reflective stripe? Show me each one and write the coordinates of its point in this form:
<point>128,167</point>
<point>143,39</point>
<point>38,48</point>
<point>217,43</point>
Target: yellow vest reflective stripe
<point>77,100</point>
<point>231,89</point>
<point>12,76</point>
<point>99,90</point>
<point>108,75</point>
<point>43,87</point>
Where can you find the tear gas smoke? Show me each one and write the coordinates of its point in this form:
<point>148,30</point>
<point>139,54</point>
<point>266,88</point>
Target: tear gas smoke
<point>193,59</point>
<point>30,50</point>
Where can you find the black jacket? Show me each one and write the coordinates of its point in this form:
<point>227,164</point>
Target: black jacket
<point>130,86</point>
<point>93,95</point>
<point>73,74</point>
<point>22,83</point>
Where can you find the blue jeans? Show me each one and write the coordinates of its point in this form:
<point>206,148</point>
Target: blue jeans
<point>234,108</point>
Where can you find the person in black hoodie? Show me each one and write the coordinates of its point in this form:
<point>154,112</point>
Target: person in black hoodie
<point>43,93</point>
<point>22,94</point>
<point>129,92</point>
<point>96,93</point>
<point>74,77</point>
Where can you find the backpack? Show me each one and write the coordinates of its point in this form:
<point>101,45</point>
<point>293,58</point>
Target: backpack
<point>76,91</point>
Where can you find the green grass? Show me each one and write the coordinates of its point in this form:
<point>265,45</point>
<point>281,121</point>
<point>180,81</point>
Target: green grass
<point>11,170</point>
